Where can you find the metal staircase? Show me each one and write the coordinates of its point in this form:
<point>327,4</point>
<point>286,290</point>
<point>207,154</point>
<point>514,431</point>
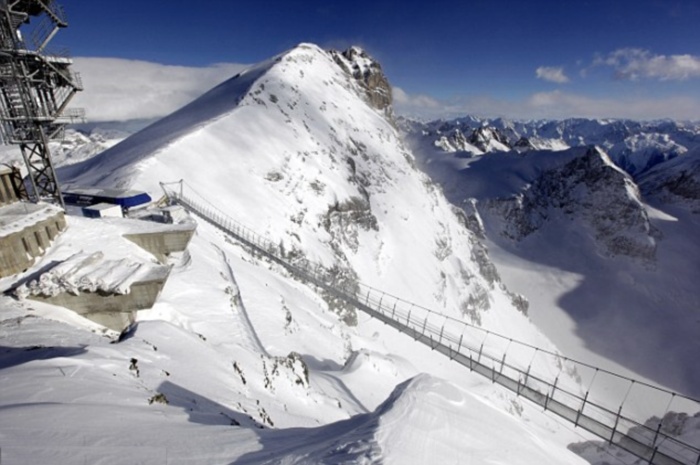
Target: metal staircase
<point>35,88</point>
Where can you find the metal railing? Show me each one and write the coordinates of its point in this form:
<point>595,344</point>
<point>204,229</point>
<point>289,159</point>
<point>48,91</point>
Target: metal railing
<point>629,413</point>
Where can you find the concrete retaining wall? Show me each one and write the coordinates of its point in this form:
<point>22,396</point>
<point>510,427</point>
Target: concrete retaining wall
<point>115,311</point>
<point>18,250</point>
<point>163,243</point>
<point>8,191</point>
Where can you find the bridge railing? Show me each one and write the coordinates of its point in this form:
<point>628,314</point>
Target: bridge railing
<point>635,415</point>
<point>611,404</point>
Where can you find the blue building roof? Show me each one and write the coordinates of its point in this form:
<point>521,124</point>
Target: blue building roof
<point>126,198</point>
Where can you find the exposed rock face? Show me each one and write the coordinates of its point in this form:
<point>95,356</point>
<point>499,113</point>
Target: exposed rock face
<point>452,138</point>
<point>523,145</point>
<point>641,152</point>
<point>368,73</point>
<point>484,137</point>
<point>454,142</point>
<point>676,181</point>
<point>590,187</point>
<point>471,218</point>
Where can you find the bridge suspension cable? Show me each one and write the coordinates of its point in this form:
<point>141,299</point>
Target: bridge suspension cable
<point>629,413</point>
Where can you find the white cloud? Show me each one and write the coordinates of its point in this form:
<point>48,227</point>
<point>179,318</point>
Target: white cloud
<point>636,63</point>
<point>406,104</point>
<point>561,104</point>
<point>119,90</point>
<point>552,74</point>
<point>558,105</point>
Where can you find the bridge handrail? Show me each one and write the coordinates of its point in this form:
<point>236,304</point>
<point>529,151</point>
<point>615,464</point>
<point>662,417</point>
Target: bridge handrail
<point>664,449</point>
<point>272,246</point>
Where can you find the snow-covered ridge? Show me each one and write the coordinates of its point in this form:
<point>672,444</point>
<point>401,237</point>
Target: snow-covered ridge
<point>634,146</point>
<point>676,182</point>
<point>72,147</point>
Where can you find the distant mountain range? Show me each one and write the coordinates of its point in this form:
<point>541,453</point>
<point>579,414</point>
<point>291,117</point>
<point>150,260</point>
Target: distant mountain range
<point>634,146</point>
<point>595,218</point>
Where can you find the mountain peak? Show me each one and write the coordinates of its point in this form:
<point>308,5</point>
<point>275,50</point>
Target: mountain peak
<point>368,72</point>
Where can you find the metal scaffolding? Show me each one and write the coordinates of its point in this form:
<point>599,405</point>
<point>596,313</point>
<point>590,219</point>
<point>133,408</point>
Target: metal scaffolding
<point>35,88</point>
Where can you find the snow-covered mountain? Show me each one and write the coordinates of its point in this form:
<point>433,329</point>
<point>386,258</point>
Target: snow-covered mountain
<point>237,355</point>
<point>331,182</point>
<point>675,183</point>
<point>603,246</point>
<point>73,146</point>
<point>634,146</point>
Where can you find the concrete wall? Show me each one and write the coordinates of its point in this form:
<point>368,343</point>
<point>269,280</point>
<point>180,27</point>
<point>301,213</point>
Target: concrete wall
<point>162,243</point>
<point>18,250</point>
<point>7,189</point>
<point>115,311</point>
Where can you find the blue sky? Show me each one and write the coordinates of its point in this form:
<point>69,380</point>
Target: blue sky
<point>614,58</point>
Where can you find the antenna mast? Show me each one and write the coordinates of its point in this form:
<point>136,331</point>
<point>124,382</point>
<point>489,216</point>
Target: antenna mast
<point>35,88</point>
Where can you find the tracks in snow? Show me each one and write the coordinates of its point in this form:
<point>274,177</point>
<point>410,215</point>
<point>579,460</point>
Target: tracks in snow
<point>246,334</point>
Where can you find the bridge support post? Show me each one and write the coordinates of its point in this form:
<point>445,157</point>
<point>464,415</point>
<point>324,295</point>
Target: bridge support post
<point>481,348</point>
<point>580,411</point>
<point>551,395</point>
<point>656,436</point>
<point>527,372</point>
<point>614,430</point>
<point>619,412</point>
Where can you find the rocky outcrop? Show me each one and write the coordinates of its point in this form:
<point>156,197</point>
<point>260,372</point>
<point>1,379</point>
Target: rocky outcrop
<point>357,63</point>
<point>523,145</point>
<point>641,152</point>
<point>488,139</point>
<point>456,141</point>
<point>676,181</point>
<point>589,187</point>
<point>480,140</point>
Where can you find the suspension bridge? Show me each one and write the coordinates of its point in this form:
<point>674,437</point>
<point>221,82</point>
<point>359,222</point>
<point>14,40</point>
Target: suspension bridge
<point>635,416</point>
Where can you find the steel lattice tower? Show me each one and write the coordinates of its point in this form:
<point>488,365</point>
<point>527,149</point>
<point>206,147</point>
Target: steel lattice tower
<point>35,88</point>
